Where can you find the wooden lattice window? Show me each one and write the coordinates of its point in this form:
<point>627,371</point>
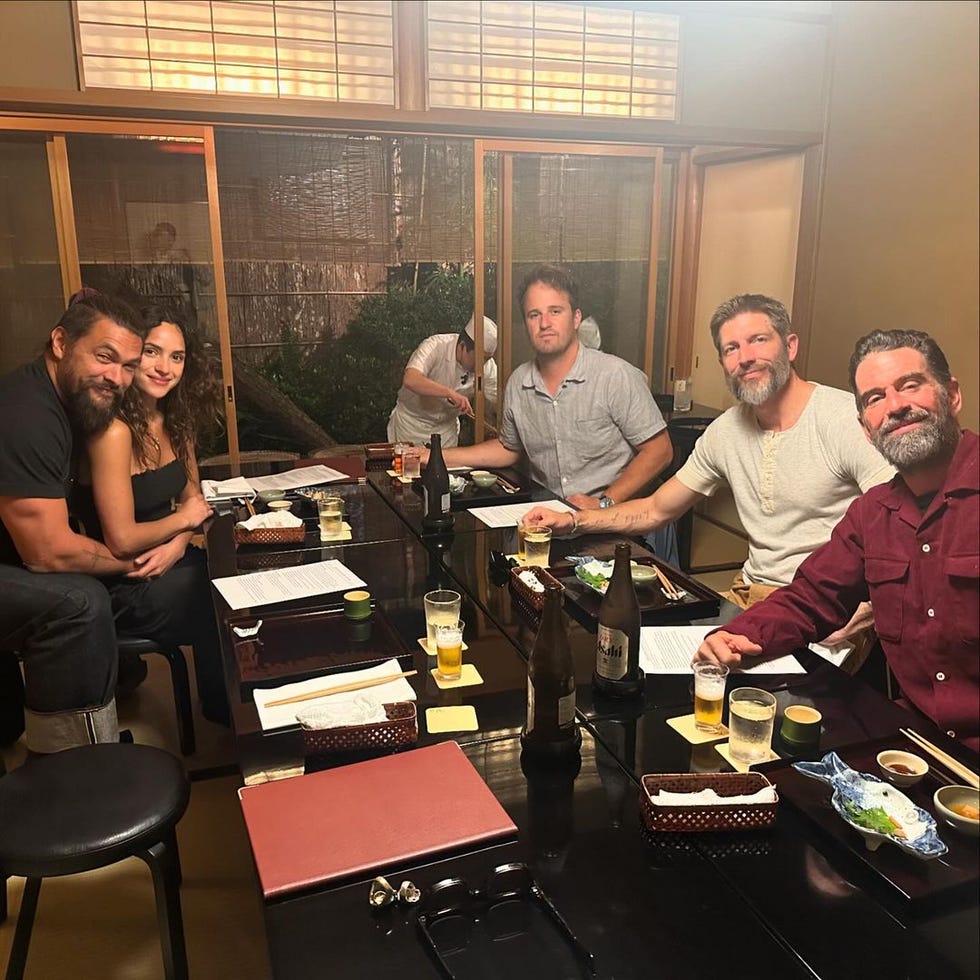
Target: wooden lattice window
<point>339,50</point>
<point>552,57</point>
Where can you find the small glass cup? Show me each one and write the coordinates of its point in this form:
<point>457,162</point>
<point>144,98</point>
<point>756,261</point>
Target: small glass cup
<point>330,510</point>
<point>683,395</point>
<point>441,608</point>
<point>411,463</point>
<point>520,541</point>
<point>449,650</point>
<point>396,460</point>
<point>751,713</point>
<point>537,545</point>
<point>709,696</point>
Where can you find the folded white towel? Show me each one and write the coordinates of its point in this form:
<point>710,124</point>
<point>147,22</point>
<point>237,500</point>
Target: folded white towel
<point>362,710</point>
<point>276,518</point>
<point>708,797</point>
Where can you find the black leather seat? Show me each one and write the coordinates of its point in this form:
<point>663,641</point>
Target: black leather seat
<point>87,808</point>
<point>178,677</point>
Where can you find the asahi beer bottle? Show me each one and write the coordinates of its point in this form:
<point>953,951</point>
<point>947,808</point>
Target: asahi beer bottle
<point>617,658</point>
<point>437,515</point>
<point>550,732</point>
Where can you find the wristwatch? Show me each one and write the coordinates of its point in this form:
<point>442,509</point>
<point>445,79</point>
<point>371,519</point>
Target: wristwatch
<point>605,501</point>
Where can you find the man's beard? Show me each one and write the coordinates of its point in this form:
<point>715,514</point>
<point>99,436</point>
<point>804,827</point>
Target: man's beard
<point>935,438</point>
<point>777,374</point>
<point>88,415</point>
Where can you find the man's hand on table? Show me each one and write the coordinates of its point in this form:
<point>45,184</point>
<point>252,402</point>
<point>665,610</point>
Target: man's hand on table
<point>561,522</point>
<point>726,648</point>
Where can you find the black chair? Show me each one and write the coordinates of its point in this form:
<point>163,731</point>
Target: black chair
<point>88,808</point>
<point>132,645</point>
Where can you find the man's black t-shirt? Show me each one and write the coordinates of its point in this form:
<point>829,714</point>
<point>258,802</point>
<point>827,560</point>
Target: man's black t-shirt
<point>35,442</point>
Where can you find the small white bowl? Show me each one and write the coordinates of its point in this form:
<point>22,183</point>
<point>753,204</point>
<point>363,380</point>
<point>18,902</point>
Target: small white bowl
<point>947,796</point>
<point>643,574</point>
<point>279,504</point>
<point>893,757</point>
<point>483,478</point>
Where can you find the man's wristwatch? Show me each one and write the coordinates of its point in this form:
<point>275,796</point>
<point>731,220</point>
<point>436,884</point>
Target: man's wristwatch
<point>605,501</point>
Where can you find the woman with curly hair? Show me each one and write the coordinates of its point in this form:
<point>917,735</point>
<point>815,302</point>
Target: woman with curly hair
<point>145,501</point>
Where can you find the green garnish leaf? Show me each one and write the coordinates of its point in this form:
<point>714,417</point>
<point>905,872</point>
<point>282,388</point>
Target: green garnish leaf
<point>874,818</point>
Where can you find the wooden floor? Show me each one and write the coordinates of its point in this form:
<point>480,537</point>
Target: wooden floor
<point>102,925</point>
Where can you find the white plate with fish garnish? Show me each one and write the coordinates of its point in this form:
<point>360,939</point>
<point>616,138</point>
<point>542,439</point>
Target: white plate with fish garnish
<point>876,810</point>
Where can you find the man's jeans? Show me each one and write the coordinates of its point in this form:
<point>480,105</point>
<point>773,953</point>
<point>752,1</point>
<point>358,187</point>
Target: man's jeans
<point>61,626</point>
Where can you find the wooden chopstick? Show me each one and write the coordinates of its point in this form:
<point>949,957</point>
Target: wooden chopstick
<point>669,587</point>
<point>249,507</point>
<point>944,757</point>
<point>340,689</point>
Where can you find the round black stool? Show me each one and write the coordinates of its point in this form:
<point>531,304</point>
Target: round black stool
<point>87,808</point>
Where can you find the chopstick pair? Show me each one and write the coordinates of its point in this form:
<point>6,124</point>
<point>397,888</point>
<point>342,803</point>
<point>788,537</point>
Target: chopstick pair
<point>340,689</point>
<point>945,758</point>
<point>668,586</point>
<point>507,485</point>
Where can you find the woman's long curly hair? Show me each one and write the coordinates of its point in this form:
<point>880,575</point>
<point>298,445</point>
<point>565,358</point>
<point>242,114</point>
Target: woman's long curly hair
<point>189,408</point>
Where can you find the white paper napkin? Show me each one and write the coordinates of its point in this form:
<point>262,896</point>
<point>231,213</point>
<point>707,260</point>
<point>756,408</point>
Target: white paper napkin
<point>283,715</point>
<point>281,518</point>
<point>708,797</point>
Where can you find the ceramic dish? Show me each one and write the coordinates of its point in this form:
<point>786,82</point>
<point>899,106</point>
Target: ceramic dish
<point>483,478</point>
<point>279,505</point>
<point>267,496</point>
<point>901,768</point>
<point>596,574</point>
<point>870,805</point>
<point>958,796</point>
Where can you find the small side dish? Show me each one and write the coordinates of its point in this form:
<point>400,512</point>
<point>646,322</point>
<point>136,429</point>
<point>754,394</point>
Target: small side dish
<point>877,811</point>
<point>902,768</point>
<point>959,806</point>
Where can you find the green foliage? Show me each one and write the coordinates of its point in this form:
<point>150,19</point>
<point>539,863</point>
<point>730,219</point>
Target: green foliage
<point>349,384</point>
<point>360,373</point>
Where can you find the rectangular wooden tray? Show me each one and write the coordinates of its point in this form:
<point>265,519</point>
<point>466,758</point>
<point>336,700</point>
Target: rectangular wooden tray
<point>908,878</point>
<point>305,643</point>
<point>655,608</point>
<point>474,496</point>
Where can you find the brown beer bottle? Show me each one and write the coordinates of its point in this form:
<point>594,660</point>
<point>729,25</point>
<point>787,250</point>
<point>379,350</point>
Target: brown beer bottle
<point>617,659</point>
<point>437,515</point>
<point>550,733</point>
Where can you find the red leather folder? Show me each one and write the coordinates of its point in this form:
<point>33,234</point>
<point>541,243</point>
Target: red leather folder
<point>368,817</point>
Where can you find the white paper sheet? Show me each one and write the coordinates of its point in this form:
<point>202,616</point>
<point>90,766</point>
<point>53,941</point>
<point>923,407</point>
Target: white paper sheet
<point>305,476</point>
<point>219,490</point>
<point>282,584</point>
<point>669,649</point>
<point>285,714</point>
<point>507,515</point>
<point>835,655</point>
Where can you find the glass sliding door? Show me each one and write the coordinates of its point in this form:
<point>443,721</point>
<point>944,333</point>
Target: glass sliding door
<point>596,210</point>
<point>32,291</point>
<point>143,227</point>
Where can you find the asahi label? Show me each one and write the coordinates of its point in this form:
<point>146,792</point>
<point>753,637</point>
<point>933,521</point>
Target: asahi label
<point>566,708</point>
<point>612,653</point>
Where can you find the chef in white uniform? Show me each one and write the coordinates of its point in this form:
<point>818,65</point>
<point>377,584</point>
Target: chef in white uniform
<point>438,384</point>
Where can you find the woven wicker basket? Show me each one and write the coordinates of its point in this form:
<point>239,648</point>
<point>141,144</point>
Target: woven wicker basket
<point>400,729</point>
<point>534,601</point>
<point>697,819</point>
<point>270,535</point>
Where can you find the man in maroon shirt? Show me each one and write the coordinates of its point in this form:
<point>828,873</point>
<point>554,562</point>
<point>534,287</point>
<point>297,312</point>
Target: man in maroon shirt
<point>911,546</point>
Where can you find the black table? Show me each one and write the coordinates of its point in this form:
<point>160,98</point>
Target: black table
<point>782,903</point>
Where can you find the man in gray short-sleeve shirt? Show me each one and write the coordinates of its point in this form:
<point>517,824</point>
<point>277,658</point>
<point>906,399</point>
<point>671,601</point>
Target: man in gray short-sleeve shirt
<point>585,420</point>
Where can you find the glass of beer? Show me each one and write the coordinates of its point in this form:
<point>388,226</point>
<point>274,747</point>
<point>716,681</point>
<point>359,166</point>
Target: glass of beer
<point>441,609</point>
<point>751,713</point>
<point>396,460</point>
<point>449,650</point>
<point>709,696</point>
<point>330,510</point>
<point>411,463</point>
<point>520,541</point>
<point>537,545</point>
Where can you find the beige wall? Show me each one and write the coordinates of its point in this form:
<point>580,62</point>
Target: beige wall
<point>898,235</point>
<point>750,220</point>
<point>38,44</point>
